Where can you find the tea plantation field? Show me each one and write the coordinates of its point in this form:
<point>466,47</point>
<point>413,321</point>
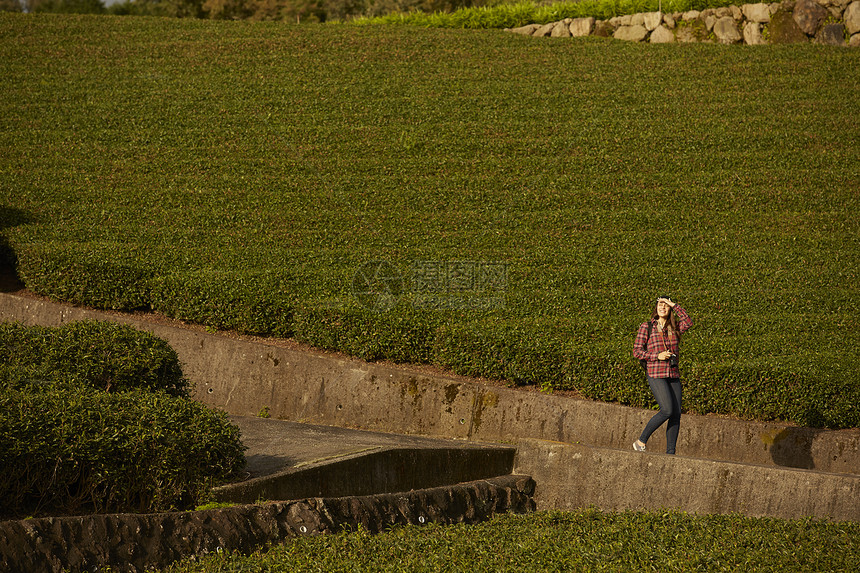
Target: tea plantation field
<point>582,540</point>
<point>494,204</point>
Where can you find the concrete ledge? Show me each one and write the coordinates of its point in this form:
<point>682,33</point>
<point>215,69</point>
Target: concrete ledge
<point>244,376</point>
<point>571,476</point>
<point>129,542</point>
<point>382,471</point>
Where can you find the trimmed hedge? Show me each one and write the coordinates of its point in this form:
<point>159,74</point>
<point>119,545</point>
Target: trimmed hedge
<point>95,417</point>
<point>69,449</point>
<point>402,336</point>
<point>250,303</point>
<point>107,275</point>
<point>506,351</point>
<point>104,355</point>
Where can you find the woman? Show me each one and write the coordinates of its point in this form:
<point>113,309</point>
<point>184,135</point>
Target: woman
<point>657,344</point>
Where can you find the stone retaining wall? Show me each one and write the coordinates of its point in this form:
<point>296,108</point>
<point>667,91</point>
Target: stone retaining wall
<point>831,22</point>
<point>132,542</point>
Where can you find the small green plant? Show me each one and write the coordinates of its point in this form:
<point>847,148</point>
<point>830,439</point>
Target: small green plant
<point>264,412</point>
<point>214,505</point>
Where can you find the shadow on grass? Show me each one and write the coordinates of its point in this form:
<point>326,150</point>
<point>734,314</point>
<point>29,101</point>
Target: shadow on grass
<point>10,217</point>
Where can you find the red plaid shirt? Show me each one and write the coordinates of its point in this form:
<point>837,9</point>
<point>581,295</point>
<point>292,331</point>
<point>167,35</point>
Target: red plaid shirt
<point>660,341</point>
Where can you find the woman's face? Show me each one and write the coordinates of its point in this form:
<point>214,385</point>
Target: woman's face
<point>662,309</point>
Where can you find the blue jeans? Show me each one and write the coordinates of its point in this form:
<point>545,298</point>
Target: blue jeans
<point>667,392</point>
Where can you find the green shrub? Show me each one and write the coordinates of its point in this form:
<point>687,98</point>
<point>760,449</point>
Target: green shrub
<point>580,540</point>
<point>405,335</point>
<point>104,355</point>
<point>768,389</point>
<point>251,303</point>
<point>69,449</point>
<point>95,416</point>
<point>609,375</point>
<point>505,351</point>
<point>107,275</point>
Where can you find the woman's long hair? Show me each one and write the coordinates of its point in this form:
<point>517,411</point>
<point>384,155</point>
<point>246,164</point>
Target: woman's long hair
<point>671,320</point>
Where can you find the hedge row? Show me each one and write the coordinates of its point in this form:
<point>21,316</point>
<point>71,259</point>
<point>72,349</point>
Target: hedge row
<point>68,449</point>
<point>104,355</point>
<point>95,417</point>
<point>102,275</point>
<point>113,277</point>
<point>580,540</point>
<point>520,350</point>
<point>252,303</point>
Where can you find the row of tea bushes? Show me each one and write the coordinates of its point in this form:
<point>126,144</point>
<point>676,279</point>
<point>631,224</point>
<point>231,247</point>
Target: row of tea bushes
<point>580,540</point>
<point>725,378</point>
<point>106,356</point>
<point>95,417</point>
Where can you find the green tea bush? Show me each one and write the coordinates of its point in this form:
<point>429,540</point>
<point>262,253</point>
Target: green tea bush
<point>68,449</point>
<point>95,417</point>
<point>108,275</point>
<point>250,303</point>
<point>104,355</point>
<point>403,336</point>
<point>505,351</point>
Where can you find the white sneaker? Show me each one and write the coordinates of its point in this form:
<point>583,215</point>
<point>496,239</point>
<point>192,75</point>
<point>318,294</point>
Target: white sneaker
<point>638,446</point>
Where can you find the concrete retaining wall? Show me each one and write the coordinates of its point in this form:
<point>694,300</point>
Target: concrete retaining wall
<point>384,471</point>
<point>570,476</point>
<point>130,542</point>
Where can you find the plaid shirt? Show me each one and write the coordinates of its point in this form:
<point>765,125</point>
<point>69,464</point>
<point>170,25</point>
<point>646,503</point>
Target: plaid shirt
<point>660,341</point>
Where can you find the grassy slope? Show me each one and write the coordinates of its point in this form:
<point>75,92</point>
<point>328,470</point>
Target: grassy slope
<point>602,172</point>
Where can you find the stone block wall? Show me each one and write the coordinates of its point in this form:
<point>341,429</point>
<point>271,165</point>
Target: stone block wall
<point>140,542</point>
<point>831,22</point>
